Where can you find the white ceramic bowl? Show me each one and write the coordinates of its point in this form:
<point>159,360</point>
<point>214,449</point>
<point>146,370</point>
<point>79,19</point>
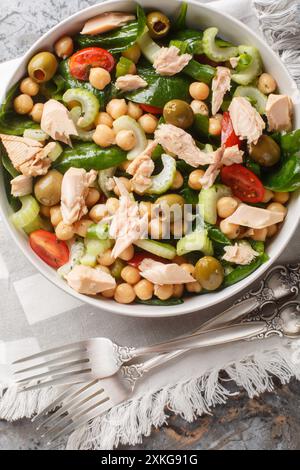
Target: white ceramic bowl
<point>198,16</point>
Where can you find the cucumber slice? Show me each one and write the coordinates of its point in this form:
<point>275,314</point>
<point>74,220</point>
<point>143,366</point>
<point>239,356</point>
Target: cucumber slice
<point>195,241</point>
<point>213,51</point>
<point>89,105</point>
<point>27,214</point>
<point>245,77</point>
<point>94,248</point>
<point>163,181</point>
<point>164,250</point>
<point>104,176</point>
<point>36,134</point>
<point>98,231</point>
<point>257,99</point>
<point>208,199</point>
<point>129,124</point>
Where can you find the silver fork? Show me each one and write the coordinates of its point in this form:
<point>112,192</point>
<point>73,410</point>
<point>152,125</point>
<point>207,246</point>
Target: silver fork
<point>98,358</point>
<point>97,397</point>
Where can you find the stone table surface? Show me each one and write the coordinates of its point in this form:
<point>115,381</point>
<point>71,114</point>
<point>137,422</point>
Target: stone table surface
<point>271,421</point>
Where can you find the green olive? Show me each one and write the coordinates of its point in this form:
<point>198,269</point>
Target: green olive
<point>158,24</point>
<point>175,203</point>
<point>47,189</point>
<point>266,152</point>
<point>42,67</point>
<point>179,113</point>
<point>209,272</point>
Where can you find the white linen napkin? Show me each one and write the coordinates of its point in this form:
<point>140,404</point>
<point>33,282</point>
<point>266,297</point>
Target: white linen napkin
<point>34,314</point>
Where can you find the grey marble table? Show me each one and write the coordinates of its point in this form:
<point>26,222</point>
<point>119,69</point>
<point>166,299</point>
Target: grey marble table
<point>271,421</point>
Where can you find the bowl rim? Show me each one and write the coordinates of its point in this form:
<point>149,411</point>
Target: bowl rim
<point>138,310</point>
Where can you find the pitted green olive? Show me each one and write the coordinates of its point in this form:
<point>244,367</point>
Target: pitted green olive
<point>42,67</point>
<point>47,189</point>
<point>179,113</point>
<point>266,152</point>
<point>170,199</point>
<point>175,203</point>
<point>158,24</point>
<point>209,272</point>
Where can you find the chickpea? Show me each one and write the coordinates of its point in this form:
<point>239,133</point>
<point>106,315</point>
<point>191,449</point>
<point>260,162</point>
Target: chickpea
<point>37,112</point>
<point>260,235</point>
<point>164,292</point>
<point>45,211</point>
<point>99,78</point>
<point>199,91</point>
<point>178,181</point>
<point>98,212</point>
<point>106,259</point>
<point>112,205</point>
<point>157,229</point>
<point>277,207</point>
<point>214,127</point>
<point>267,84</point>
<point>92,197</point>
<point>104,136</point>
<point>194,179</point>
<point>268,196</point>
<point>126,182</point>
<point>226,206</point>
<point>177,229</point>
<point>23,104</point>
<point>109,294</point>
<point>149,123</point>
<point>232,231</point>
<point>126,140</point>
<point>144,289</point>
<point>189,268</point>
<point>199,107</point>
<point>127,254</point>
<point>272,230</point>
<point>281,197</point>
<point>81,227</point>
<point>105,269</point>
<point>134,110</point>
<point>133,53</point>
<point>55,215</point>
<point>117,108</point>
<point>64,47</point>
<point>64,232</point>
<point>131,275</point>
<point>193,287</point>
<point>124,294</point>
<point>145,207</point>
<point>29,87</point>
<point>178,291</point>
<point>104,118</point>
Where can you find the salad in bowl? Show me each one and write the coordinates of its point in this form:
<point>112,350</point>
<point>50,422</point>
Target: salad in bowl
<point>148,161</point>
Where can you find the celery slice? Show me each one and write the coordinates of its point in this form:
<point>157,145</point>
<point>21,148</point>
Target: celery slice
<point>104,176</point>
<point>89,104</point>
<point>94,248</point>
<point>208,199</point>
<point>246,76</point>
<point>85,136</point>
<point>164,250</point>
<point>123,66</point>
<point>129,124</point>
<point>56,152</point>
<point>256,97</point>
<point>163,181</point>
<point>213,51</point>
<point>27,214</point>
<point>195,241</point>
<point>149,48</point>
<point>36,134</point>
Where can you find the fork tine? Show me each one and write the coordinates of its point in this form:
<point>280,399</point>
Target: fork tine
<point>68,367</point>
<point>68,347</point>
<point>52,362</point>
<point>62,379</point>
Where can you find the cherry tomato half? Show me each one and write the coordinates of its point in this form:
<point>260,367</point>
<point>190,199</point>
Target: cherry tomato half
<point>229,137</point>
<point>51,250</point>
<point>139,257</point>
<point>151,109</point>
<point>82,61</point>
<point>244,183</point>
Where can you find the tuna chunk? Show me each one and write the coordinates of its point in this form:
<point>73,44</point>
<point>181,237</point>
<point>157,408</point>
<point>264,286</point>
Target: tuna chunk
<point>246,121</point>
<point>130,83</point>
<point>279,112</point>
<point>141,169</point>
<point>254,217</point>
<point>227,157</point>
<point>220,86</point>
<point>57,122</point>
<point>127,225</point>
<point>232,155</point>
<point>28,156</point>
<point>21,186</point>
<point>160,273</point>
<point>177,141</point>
<point>89,281</point>
<point>168,61</point>
<point>234,61</point>
<point>240,254</point>
<point>74,190</point>
<point>106,22</point>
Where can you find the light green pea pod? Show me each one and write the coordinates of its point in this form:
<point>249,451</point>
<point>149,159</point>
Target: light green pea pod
<point>89,105</point>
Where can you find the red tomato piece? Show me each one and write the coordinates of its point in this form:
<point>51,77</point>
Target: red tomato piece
<point>47,246</point>
<point>229,137</point>
<point>151,109</point>
<point>82,61</point>
<point>244,183</point>
<point>139,257</point>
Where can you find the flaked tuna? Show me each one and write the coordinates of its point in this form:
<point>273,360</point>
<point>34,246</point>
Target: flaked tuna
<point>279,111</point>
<point>89,281</point>
<point>255,217</point>
<point>160,273</point>
<point>130,83</point>
<point>21,186</point>
<point>168,61</point>
<point>57,122</point>
<point>220,86</point>
<point>240,253</point>
<point>106,22</point>
<point>246,121</point>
